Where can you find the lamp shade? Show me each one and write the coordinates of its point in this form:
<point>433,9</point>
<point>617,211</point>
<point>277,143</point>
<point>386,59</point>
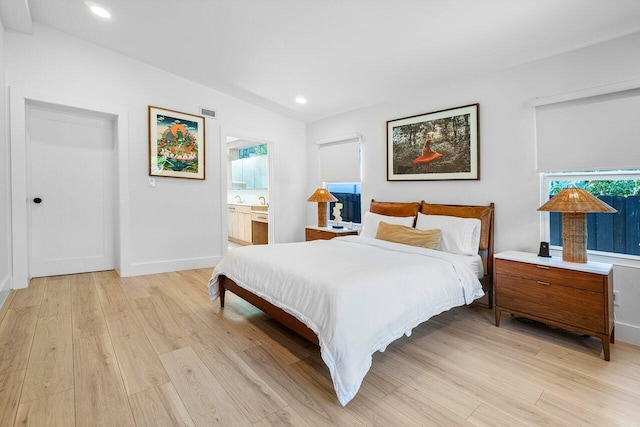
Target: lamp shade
<point>576,200</point>
<point>322,195</point>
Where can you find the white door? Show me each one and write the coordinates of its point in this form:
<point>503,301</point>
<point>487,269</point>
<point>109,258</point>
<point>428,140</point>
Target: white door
<point>72,192</point>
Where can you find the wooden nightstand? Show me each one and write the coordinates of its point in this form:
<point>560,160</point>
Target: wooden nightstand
<point>326,233</point>
<point>569,295</point>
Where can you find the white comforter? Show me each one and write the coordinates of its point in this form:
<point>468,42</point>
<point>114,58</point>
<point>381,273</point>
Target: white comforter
<point>357,294</point>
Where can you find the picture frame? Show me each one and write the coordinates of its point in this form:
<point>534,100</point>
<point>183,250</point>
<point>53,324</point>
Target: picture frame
<point>176,144</point>
<point>441,145</point>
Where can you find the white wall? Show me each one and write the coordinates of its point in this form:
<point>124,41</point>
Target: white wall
<point>507,147</point>
<point>178,224</point>
<point>5,267</point>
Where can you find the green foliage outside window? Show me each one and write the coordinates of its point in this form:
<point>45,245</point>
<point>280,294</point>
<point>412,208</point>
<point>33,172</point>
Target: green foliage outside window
<point>256,150</point>
<point>628,187</point>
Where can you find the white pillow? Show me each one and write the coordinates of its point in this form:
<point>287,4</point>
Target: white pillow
<point>371,220</point>
<point>459,235</point>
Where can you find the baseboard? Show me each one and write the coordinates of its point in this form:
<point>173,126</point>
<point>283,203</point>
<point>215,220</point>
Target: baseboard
<point>5,288</point>
<point>627,333</point>
<point>155,267</point>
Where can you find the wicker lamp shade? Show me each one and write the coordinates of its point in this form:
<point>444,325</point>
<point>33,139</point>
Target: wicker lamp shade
<point>322,197</point>
<point>576,200</point>
<point>575,203</point>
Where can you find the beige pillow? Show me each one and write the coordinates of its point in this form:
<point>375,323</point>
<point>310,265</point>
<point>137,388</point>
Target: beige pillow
<point>409,236</point>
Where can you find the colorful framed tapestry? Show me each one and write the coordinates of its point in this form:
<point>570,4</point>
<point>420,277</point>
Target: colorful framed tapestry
<point>176,144</point>
<point>435,146</point>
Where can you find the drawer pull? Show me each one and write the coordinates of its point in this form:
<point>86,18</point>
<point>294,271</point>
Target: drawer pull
<point>261,217</point>
<point>543,283</point>
<point>544,267</point>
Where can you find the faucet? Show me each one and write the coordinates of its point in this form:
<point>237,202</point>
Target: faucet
<point>238,199</point>
<point>263,201</point>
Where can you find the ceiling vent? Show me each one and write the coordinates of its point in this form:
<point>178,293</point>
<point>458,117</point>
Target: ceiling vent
<point>208,112</point>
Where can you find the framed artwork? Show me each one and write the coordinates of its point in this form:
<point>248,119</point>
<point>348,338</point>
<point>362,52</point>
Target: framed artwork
<point>435,146</point>
<point>176,144</point>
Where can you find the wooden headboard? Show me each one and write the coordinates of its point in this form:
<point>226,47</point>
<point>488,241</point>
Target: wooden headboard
<point>484,213</point>
<point>395,208</point>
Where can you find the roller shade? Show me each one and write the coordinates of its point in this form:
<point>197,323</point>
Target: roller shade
<point>340,159</point>
<point>589,134</point>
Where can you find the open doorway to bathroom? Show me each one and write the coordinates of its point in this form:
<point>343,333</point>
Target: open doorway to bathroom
<point>248,171</point>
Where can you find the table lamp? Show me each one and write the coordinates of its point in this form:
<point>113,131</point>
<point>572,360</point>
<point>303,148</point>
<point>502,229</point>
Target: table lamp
<point>575,203</point>
<point>322,196</point>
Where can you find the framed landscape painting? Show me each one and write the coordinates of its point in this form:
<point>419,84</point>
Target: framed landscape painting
<point>176,144</point>
<point>434,146</point>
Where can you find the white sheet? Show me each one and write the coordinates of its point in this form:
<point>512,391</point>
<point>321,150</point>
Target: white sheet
<point>357,294</point>
<point>474,262</point>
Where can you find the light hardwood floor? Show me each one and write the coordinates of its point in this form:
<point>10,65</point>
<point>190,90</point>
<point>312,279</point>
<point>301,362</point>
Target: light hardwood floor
<point>95,349</point>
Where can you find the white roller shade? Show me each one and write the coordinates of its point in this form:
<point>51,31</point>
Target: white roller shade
<point>340,159</point>
<point>589,134</point>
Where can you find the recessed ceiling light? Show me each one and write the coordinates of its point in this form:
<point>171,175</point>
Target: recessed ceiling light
<point>98,10</point>
<point>301,99</point>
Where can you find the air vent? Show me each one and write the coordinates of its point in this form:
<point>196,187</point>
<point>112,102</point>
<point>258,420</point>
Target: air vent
<point>208,112</point>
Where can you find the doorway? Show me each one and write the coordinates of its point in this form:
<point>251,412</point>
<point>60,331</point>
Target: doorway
<point>248,191</point>
<point>71,190</point>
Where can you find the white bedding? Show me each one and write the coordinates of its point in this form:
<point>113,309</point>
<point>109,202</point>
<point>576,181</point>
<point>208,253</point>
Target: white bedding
<point>474,262</point>
<point>357,294</point>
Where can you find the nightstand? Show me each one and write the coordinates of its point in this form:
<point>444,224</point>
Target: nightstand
<point>574,296</point>
<point>326,233</point>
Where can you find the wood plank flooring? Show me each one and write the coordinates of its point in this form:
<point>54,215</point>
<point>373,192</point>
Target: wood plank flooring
<point>98,350</point>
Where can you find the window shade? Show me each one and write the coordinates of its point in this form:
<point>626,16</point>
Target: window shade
<point>340,159</point>
<point>589,134</point>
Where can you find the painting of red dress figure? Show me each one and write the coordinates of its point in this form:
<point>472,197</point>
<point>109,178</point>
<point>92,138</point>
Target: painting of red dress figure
<point>435,146</point>
<point>176,144</point>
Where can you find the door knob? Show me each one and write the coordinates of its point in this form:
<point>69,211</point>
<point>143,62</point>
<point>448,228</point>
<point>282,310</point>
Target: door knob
<point>37,200</point>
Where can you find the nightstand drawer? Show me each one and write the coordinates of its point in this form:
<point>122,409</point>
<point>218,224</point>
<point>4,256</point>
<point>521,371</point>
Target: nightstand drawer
<point>311,234</point>
<point>571,306</point>
<point>326,234</point>
<point>557,276</point>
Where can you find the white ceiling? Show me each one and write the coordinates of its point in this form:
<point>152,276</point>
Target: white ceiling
<point>340,54</point>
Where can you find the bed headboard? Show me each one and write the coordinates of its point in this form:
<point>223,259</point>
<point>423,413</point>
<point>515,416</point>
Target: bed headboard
<point>484,213</point>
<point>395,208</point>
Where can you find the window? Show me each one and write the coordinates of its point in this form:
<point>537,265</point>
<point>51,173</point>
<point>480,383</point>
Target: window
<point>607,234</point>
<point>349,195</point>
<point>593,129</point>
<point>339,162</point>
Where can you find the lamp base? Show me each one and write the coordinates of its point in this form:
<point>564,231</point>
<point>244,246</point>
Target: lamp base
<point>322,214</point>
<point>574,237</point>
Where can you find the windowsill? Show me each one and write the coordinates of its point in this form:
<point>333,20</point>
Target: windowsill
<point>625,262</point>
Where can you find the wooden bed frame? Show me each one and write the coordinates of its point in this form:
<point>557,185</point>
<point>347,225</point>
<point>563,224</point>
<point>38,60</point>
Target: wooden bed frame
<point>484,213</point>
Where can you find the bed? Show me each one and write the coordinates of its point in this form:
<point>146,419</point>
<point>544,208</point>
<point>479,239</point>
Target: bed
<point>354,295</point>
